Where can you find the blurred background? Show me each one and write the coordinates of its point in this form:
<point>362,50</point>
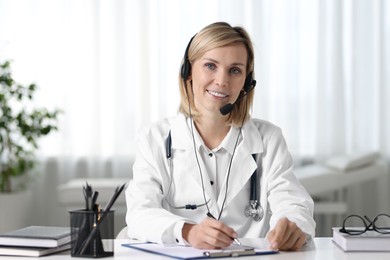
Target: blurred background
<point>322,67</point>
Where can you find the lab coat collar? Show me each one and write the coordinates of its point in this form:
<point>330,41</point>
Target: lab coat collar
<point>181,133</point>
<point>252,138</point>
<point>228,143</point>
<point>182,136</point>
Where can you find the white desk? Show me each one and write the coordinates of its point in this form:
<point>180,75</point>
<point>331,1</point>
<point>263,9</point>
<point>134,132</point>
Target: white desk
<point>321,249</point>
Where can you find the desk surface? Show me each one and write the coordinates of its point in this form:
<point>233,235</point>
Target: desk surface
<point>321,249</point>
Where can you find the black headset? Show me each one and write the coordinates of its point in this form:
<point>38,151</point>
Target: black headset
<point>186,69</point>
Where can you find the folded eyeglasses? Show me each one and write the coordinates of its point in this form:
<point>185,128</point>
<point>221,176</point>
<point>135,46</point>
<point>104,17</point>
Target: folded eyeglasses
<point>356,225</point>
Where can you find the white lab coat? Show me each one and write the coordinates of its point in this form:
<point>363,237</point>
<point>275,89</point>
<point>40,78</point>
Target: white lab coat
<point>148,214</point>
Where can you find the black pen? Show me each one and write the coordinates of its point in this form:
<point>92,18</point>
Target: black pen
<point>234,239</point>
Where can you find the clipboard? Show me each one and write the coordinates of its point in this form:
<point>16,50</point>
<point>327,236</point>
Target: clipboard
<point>187,252</point>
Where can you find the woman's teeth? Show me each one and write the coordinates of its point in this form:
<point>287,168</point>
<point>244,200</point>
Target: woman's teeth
<point>217,94</point>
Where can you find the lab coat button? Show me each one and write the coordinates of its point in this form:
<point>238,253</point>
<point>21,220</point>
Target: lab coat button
<point>210,155</point>
<point>177,240</point>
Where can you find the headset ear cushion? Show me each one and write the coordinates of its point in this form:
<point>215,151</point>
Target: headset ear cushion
<point>185,70</point>
<point>186,67</point>
<point>248,82</point>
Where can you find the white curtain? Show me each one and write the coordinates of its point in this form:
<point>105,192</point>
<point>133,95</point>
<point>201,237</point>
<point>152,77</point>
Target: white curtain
<point>322,68</point>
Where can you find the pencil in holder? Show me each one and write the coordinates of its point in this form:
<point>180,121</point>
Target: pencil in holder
<point>91,235</point>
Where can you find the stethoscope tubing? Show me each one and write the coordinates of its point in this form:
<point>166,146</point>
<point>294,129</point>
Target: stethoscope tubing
<point>254,209</point>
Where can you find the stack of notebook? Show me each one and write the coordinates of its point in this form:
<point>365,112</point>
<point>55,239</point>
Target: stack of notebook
<point>35,241</point>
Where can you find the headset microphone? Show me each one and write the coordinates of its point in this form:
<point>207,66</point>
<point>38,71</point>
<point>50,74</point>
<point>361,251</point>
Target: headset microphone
<point>226,109</point>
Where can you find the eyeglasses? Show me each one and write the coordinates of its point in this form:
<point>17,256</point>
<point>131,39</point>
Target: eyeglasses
<point>356,225</point>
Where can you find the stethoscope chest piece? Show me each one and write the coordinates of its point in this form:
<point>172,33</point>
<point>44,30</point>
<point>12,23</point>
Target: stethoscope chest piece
<point>254,210</point>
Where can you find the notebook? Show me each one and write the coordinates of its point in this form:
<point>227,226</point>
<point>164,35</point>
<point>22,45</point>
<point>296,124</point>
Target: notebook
<point>36,236</point>
<point>31,251</point>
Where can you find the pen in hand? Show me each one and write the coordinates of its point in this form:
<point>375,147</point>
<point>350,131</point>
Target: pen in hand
<point>234,239</point>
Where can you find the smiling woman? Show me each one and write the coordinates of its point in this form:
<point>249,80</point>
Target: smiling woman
<point>219,156</point>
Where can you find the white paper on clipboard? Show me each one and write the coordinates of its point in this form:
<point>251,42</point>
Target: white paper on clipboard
<point>257,247</point>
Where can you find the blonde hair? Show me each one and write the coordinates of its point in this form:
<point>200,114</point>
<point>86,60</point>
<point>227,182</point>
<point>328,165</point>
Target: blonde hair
<point>213,36</point>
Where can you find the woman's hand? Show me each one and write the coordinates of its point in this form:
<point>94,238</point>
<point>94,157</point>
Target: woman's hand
<point>286,236</point>
<point>209,234</point>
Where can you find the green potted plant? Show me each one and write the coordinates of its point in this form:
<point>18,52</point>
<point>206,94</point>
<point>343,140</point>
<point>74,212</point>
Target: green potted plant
<point>21,126</point>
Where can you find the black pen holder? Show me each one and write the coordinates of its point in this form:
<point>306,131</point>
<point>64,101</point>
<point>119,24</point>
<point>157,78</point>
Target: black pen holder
<point>92,235</point>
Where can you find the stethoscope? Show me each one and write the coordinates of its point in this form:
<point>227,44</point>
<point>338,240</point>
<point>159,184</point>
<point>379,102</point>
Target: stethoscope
<point>253,209</point>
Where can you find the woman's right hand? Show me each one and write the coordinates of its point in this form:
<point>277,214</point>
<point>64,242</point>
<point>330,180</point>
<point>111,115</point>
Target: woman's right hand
<point>209,234</point>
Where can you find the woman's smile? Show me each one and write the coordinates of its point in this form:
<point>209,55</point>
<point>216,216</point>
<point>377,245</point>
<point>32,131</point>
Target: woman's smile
<point>217,94</point>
